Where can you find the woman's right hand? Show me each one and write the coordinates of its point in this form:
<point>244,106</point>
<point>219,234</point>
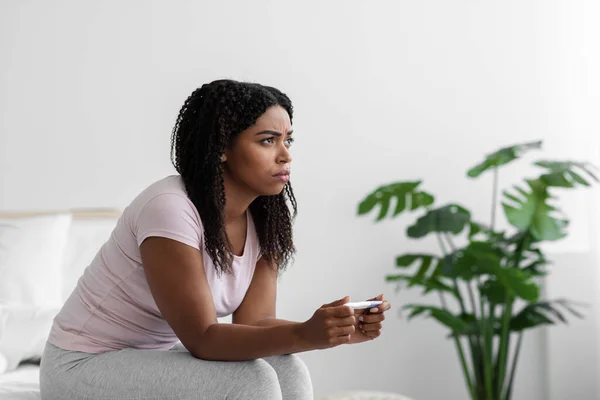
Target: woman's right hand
<point>331,325</point>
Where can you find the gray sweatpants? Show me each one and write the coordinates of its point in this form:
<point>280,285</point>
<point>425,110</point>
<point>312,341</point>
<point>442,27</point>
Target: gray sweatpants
<point>173,375</point>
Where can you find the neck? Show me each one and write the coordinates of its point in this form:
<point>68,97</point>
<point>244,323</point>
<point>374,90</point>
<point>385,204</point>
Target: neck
<point>237,200</point>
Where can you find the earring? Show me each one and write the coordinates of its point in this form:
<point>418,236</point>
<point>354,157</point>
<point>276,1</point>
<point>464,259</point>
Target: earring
<point>222,157</point>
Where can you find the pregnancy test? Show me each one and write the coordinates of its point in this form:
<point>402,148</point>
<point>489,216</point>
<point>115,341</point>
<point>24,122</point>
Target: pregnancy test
<point>358,305</point>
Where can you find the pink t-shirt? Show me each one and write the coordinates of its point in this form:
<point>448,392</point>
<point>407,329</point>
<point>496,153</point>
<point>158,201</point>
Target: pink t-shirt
<point>112,307</point>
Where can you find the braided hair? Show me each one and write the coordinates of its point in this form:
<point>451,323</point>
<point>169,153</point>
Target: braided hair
<point>211,117</point>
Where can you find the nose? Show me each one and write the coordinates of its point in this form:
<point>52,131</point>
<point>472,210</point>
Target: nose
<point>284,156</point>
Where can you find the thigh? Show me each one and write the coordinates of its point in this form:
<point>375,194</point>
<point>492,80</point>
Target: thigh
<point>149,374</point>
<point>293,375</point>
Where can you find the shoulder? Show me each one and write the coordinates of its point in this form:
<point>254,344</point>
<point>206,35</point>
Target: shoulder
<point>164,209</point>
<point>167,195</point>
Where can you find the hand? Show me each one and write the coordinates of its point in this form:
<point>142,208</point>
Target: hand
<point>369,322</point>
<point>331,325</point>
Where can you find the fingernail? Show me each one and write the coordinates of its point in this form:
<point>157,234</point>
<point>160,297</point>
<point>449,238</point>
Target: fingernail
<point>374,309</point>
<point>360,318</point>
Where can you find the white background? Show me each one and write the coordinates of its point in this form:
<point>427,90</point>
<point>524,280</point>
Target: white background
<point>383,91</point>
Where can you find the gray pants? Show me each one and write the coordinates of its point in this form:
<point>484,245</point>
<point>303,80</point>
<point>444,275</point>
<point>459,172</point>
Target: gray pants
<point>173,375</point>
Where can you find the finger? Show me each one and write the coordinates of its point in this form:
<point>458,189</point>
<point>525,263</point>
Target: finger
<point>371,318</point>
<point>371,327</point>
<point>340,321</point>
<point>341,330</point>
<point>340,311</point>
<point>378,297</point>
<point>338,340</point>
<point>380,308</point>
<point>373,335</point>
<point>339,302</point>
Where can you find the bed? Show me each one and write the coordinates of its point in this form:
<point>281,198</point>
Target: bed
<point>42,255</point>
<point>20,384</point>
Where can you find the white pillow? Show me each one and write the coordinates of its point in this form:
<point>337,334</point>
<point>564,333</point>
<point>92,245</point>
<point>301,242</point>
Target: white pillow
<point>31,254</point>
<point>364,395</point>
<point>85,238</point>
<point>3,363</point>
<point>24,330</point>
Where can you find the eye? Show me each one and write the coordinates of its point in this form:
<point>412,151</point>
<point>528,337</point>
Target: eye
<point>289,141</point>
<point>269,140</point>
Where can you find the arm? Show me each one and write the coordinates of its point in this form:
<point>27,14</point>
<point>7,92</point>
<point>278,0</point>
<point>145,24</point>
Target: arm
<point>259,304</point>
<point>175,274</point>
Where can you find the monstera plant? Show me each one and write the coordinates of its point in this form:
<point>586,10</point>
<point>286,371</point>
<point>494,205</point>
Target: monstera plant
<point>487,280</point>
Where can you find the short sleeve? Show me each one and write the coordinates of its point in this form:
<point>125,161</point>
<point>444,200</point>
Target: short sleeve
<point>172,216</point>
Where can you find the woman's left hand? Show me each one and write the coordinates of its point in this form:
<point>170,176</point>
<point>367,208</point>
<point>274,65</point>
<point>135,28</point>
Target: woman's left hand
<point>369,322</point>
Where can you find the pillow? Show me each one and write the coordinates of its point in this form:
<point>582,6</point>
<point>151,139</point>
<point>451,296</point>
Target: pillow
<point>24,330</point>
<point>3,363</point>
<point>85,238</point>
<point>31,253</point>
<point>364,395</point>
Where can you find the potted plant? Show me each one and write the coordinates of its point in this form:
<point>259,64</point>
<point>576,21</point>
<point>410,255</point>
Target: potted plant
<point>487,280</point>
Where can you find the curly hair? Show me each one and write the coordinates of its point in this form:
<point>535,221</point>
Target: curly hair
<point>211,117</point>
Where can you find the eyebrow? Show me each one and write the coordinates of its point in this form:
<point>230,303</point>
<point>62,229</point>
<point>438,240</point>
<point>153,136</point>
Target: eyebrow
<point>270,132</point>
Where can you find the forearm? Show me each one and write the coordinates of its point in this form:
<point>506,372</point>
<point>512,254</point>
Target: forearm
<point>273,322</point>
<point>235,342</point>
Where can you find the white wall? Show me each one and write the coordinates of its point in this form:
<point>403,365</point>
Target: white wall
<point>383,91</point>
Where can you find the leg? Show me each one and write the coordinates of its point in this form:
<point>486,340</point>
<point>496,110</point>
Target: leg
<point>294,377</point>
<point>152,375</point>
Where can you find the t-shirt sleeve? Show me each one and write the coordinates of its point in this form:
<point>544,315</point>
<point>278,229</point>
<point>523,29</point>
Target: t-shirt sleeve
<point>171,216</point>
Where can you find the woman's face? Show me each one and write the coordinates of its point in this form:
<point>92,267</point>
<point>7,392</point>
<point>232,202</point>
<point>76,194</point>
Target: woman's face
<point>259,158</point>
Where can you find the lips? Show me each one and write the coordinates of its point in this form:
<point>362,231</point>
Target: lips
<point>283,176</point>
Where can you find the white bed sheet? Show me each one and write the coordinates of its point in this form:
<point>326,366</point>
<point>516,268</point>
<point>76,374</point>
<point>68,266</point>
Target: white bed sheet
<point>21,384</point>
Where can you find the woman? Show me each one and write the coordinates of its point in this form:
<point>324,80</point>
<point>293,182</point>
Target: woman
<point>192,247</point>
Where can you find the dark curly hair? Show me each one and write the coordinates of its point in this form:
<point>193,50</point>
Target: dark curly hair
<point>211,117</point>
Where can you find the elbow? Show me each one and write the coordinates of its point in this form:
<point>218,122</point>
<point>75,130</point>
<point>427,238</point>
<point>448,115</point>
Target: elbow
<point>201,346</point>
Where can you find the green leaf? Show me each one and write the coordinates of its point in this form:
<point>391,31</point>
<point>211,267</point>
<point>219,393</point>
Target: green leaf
<point>532,213</point>
<point>428,284</point>
<point>477,229</point>
<point>566,174</point>
<point>472,261</point>
<point>534,261</point>
<point>451,218</point>
<point>483,258</point>
<point>455,323</point>
<point>406,260</point>
<point>502,156</point>
<point>519,283</point>
<point>542,313</point>
<point>493,291</point>
<point>472,326</point>
<point>403,192</point>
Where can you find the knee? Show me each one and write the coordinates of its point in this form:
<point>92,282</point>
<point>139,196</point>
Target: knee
<point>260,382</point>
<point>294,377</point>
<point>294,365</point>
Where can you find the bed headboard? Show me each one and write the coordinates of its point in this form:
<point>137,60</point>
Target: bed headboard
<point>88,229</point>
<point>77,213</point>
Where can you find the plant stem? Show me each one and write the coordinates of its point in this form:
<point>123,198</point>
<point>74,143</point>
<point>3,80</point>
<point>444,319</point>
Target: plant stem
<point>487,349</point>
<point>494,198</point>
<point>458,344</point>
<point>508,390</point>
<point>461,354</point>
<point>465,367</point>
<point>472,300</point>
<point>477,353</point>
<point>502,352</point>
